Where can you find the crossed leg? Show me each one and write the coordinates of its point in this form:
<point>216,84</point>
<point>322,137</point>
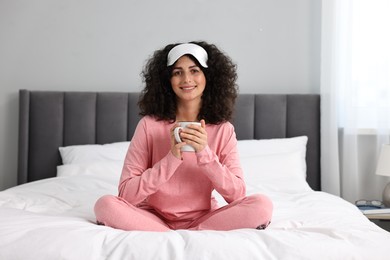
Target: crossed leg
<point>249,212</point>
<point>116,212</point>
<point>254,211</point>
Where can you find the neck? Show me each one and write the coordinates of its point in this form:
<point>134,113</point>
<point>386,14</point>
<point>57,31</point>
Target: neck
<point>187,112</point>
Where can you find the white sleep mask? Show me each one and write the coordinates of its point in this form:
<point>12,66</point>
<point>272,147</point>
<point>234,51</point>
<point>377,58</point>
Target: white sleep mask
<point>188,48</point>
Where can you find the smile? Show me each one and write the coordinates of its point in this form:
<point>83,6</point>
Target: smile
<point>188,88</point>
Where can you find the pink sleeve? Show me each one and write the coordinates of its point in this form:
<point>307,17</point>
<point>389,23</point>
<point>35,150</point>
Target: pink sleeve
<point>224,171</point>
<point>139,178</point>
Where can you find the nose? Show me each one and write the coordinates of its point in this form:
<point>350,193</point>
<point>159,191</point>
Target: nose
<point>187,77</point>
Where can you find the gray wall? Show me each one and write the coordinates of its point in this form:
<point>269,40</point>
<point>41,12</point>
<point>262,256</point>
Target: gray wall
<point>102,45</point>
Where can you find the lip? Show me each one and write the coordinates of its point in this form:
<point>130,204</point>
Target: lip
<point>187,88</point>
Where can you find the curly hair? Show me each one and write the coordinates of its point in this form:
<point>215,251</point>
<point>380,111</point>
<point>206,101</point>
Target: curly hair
<point>157,99</point>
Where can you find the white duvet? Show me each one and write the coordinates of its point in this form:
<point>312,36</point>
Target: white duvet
<point>53,219</point>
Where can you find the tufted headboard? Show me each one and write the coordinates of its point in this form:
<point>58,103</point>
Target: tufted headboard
<point>51,119</point>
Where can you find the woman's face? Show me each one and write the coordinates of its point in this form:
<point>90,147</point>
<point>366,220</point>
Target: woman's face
<point>187,80</point>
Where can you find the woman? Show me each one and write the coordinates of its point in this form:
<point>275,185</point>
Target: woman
<point>162,188</point>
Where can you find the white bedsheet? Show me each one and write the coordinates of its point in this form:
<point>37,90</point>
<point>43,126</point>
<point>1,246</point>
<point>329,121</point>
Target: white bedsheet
<point>53,219</point>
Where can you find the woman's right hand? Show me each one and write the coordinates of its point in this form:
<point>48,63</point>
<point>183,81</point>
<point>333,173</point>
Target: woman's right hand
<point>175,146</point>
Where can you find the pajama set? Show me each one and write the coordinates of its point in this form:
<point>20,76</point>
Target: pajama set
<point>160,192</point>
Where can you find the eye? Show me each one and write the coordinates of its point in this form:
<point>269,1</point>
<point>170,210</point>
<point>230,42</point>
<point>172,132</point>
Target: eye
<point>176,73</point>
<point>194,71</point>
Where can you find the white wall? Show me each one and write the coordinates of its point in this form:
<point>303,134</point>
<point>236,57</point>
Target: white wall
<point>102,45</point>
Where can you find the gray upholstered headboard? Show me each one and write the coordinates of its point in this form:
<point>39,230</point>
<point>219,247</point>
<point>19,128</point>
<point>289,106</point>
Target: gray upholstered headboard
<point>50,119</point>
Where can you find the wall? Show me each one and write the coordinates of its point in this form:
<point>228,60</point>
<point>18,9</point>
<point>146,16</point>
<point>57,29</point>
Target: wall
<point>102,45</point>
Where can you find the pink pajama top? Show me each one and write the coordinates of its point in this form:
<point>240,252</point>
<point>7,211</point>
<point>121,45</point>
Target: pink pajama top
<point>180,190</point>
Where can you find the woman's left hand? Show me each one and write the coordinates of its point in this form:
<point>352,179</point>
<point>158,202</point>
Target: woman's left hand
<point>195,135</point>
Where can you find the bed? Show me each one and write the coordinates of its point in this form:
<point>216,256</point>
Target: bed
<point>71,150</point>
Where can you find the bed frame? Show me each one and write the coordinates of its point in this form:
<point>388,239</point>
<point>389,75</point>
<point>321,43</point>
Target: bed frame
<point>50,119</point>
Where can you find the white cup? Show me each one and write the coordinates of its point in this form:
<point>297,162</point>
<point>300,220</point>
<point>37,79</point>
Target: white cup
<point>176,131</point>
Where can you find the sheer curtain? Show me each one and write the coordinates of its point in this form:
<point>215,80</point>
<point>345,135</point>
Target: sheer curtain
<point>355,92</point>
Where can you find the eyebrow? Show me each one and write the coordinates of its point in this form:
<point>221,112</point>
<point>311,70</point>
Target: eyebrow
<point>190,67</point>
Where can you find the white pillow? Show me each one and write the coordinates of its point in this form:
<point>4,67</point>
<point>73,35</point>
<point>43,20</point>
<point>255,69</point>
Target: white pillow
<point>107,169</point>
<point>274,164</point>
<point>268,164</point>
<point>251,148</point>
<point>90,153</point>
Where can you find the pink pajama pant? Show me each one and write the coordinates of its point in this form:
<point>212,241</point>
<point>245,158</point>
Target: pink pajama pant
<point>253,211</point>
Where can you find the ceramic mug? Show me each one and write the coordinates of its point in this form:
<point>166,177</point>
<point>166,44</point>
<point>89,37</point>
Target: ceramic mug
<point>176,131</point>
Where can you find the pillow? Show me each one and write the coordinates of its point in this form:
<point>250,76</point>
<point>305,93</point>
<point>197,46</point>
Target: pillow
<point>274,164</point>
<point>107,169</point>
<point>251,148</point>
<point>89,153</point>
<point>276,172</point>
<point>268,164</point>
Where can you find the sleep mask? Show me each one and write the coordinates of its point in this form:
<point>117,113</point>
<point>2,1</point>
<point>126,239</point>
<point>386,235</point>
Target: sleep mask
<point>188,48</point>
